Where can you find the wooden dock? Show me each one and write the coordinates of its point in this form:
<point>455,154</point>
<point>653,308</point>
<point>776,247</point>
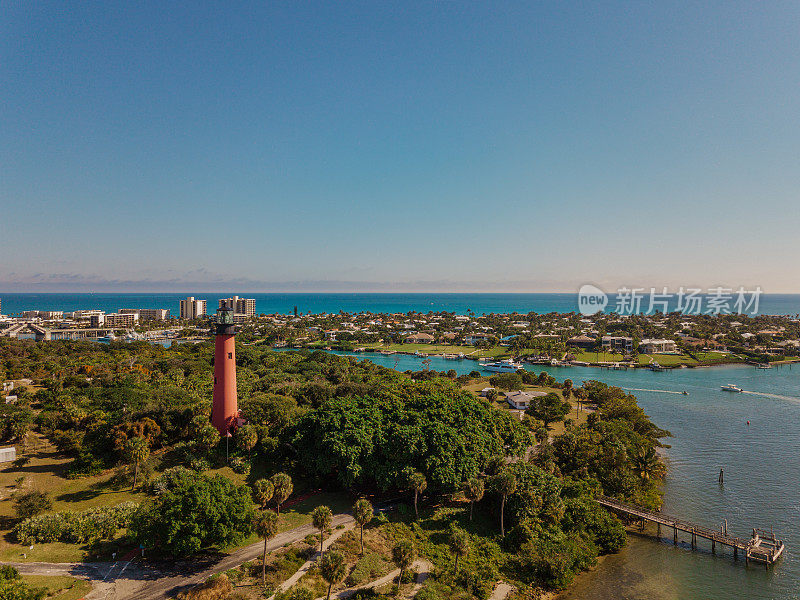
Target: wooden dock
<point>762,547</point>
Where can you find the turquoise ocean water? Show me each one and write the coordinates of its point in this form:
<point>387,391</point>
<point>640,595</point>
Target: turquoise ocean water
<point>774,304</point>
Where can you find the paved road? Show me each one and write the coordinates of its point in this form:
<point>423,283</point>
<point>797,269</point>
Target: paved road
<point>126,580</point>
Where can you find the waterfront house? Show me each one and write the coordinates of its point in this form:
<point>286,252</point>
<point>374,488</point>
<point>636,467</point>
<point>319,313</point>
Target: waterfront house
<point>419,338</point>
<point>476,338</point>
<point>581,341</point>
<point>522,400</point>
<point>617,342</point>
<point>657,345</point>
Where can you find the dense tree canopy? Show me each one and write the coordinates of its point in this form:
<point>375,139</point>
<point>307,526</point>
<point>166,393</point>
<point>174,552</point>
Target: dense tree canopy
<point>198,512</point>
<point>447,435</point>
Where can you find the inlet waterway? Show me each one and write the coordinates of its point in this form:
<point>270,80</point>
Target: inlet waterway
<point>761,487</point>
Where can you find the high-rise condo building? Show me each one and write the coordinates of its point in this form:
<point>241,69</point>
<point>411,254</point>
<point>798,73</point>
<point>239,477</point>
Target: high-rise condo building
<point>240,306</point>
<point>192,309</point>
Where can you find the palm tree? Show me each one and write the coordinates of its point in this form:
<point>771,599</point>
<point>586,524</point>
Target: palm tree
<point>282,488</point>
<point>321,518</point>
<point>419,484</point>
<point>138,450</point>
<point>266,526</point>
<point>362,511</point>
<point>473,490</point>
<point>647,465</point>
<point>332,568</point>
<point>247,438</point>
<point>506,484</point>
<point>403,556</point>
<point>459,545</point>
<point>263,491</point>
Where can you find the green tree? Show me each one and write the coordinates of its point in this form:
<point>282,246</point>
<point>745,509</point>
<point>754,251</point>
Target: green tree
<point>549,408</point>
<point>332,568</point>
<point>506,381</point>
<point>419,484</point>
<point>505,484</point>
<point>403,555</point>
<point>138,451</point>
<point>265,525</point>
<point>428,426</point>
<point>321,519</point>
<point>459,544</point>
<point>473,491</point>
<point>206,438</point>
<point>31,503</point>
<point>282,488</point>
<point>646,464</point>
<point>263,491</point>
<point>247,438</point>
<point>198,512</point>
<point>495,465</point>
<point>362,512</point>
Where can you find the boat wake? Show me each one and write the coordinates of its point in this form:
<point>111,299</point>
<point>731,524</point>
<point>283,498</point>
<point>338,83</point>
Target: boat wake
<point>775,396</point>
<point>657,391</point>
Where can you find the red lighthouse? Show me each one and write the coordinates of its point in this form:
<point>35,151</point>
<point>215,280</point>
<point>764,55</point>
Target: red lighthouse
<point>224,411</point>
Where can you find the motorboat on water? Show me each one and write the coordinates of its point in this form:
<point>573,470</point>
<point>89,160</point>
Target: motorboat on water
<point>731,388</point>
<point>685,393</point>
<point>503,366</point>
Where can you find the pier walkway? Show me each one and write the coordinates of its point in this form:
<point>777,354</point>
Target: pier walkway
<point>762,547</point>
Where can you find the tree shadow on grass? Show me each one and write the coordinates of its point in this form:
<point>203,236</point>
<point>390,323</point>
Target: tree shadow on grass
<point>79,496</point>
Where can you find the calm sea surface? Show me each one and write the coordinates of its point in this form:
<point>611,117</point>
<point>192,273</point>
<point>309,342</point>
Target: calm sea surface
<point>762,479</point>
<point>771,304</point>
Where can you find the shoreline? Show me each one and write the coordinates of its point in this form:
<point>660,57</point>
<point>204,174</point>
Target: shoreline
<point>597,365</point>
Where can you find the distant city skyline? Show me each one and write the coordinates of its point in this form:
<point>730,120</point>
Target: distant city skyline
<point>408,147</point>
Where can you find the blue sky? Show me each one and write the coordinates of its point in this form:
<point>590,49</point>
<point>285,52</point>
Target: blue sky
<point>398,146</point>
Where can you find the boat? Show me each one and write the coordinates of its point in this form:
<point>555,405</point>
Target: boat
<point>685,393</point>
<point>656,367</point>
<point>731,388</point>
<point>503,366</point>
<point>108,338</point>
<point>764,366</point>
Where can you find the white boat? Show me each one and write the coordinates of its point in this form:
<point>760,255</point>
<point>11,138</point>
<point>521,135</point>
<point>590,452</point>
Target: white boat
<point>503,366</point>
<point>764,366</point>
<point>731,388</point>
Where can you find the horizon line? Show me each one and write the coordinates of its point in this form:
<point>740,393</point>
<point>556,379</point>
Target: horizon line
<point>296,292</point>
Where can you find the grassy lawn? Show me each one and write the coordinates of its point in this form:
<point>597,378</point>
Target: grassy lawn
<point>46,471</point>
<point>59,587</point>
<point>666,360</point>
<point>592,357</point>
<point>710,358</point>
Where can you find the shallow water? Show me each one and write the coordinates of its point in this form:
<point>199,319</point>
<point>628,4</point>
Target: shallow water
<point>761,489</point>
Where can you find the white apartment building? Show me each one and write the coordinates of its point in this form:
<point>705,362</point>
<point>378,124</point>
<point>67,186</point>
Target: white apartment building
<point>147,314</point>
<point>192,309</point>
<point>125,320</point>
<point>239,306</point>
